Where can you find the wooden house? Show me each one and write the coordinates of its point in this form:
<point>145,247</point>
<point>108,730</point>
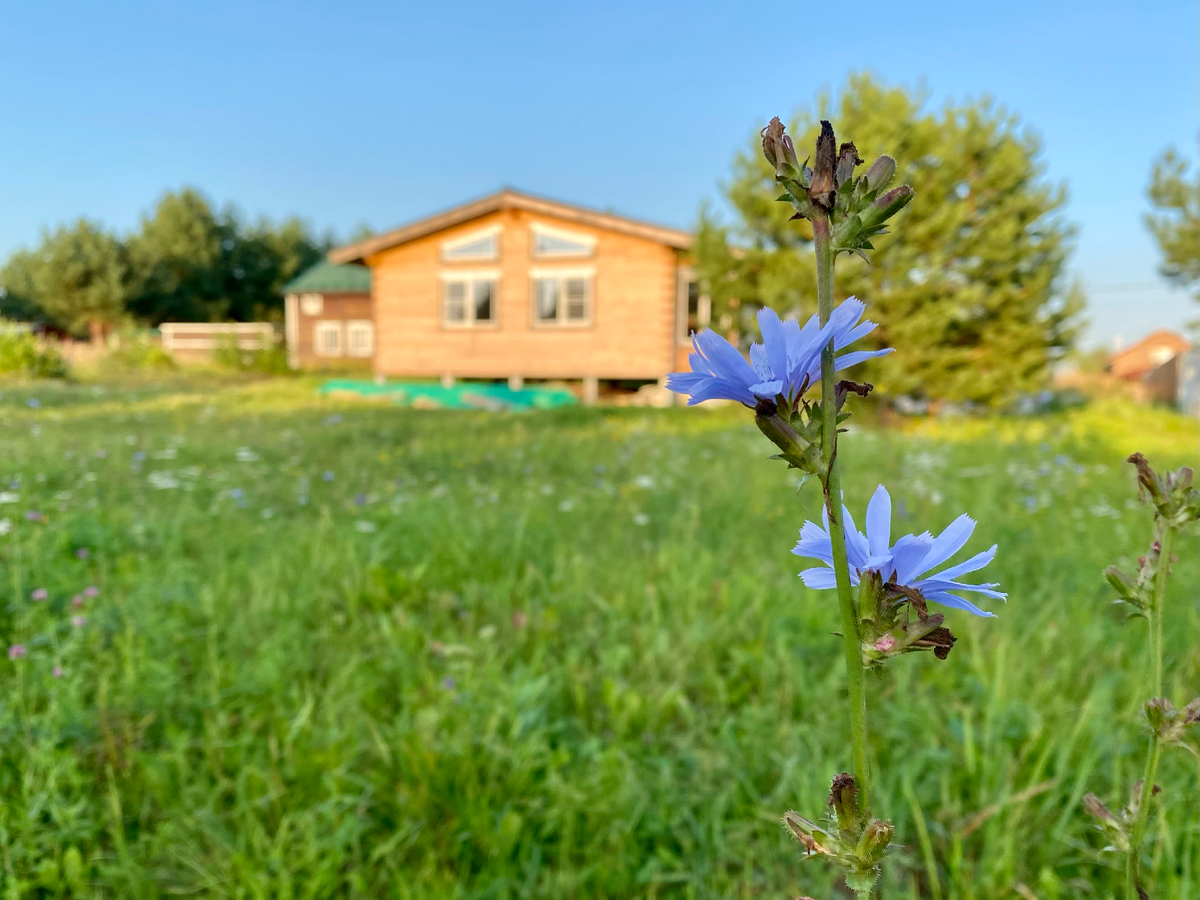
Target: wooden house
<point>1136,361</point>
<point>327,318</point>
<point>519,287</point>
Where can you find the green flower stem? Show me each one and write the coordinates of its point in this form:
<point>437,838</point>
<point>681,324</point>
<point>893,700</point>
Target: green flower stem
<point>1133,860</point>
<point>833,503</point>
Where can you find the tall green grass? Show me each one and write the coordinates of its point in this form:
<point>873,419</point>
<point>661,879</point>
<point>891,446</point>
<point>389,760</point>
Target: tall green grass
<point>556,654</point>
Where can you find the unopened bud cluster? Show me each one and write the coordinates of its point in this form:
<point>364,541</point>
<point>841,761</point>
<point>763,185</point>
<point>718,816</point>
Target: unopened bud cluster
<point>1176,503</point>
<point>1117,826</point>
<point>858,207</point>
<point>851,839</point>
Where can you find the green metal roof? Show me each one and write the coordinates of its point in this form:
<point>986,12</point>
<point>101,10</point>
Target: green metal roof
<point>329,278</point>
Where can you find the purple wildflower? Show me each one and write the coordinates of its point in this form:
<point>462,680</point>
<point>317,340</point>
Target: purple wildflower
<point>16,651</point>
<point>78,621</point>
<point>91,591</point>
<point>39,595</point>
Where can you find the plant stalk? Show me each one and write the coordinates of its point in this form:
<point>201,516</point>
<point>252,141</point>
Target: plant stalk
<point>833,503</point>
<point>1133,860</point>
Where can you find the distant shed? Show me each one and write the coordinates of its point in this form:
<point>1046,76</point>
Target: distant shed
<point>328,317</point>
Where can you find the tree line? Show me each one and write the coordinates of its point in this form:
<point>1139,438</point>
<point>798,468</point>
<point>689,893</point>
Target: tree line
<point>186,262</point>
<point>974,287</point>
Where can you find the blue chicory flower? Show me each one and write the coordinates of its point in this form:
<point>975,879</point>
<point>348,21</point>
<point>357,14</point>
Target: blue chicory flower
<point>903,563</point>
<point>787,362</point>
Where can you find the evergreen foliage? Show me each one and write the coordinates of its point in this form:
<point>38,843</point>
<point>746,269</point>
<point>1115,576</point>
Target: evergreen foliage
<point>974,287</point>
<point>1175,195</point>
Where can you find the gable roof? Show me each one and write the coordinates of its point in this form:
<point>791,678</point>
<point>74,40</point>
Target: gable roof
<point>510,199</point>
<point>329,278</point>
<point>1159,337</point>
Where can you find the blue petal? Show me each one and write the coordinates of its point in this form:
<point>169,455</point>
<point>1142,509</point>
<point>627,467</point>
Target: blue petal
<point>846,360</point>
<point>939,585</point>
<point>908,554</point>
<point>820,578</point>
<point>767,389</point>
<point>879,521</point>
<point>949,542</point>
<point>724,360</point>
<point>958,603</point>
<point>975,563</point>
<point>774,341</point>
<point>857,550</point>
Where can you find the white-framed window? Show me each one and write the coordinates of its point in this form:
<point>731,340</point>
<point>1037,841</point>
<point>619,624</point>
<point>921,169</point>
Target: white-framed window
<point>360,338</point>
<point>478,245</point>
<point>695,309</point>
<point>562,297</point>
<point>469,298</point>
<point>327,339</point>
<point>553,243</point>
<point>312,304</point>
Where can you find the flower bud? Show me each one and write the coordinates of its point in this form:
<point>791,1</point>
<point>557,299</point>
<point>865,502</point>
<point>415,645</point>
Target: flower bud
<point>843,797</point>
<point>778,149</point>
<point>1160,713</point>
<point>822,191</point>
<point>874,841</point>
<point>804,831</point>
<point>880,173</point>
<point>847,160</point>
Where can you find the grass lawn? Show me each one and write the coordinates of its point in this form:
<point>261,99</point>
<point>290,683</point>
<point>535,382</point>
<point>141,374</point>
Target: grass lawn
<point>348,650</point>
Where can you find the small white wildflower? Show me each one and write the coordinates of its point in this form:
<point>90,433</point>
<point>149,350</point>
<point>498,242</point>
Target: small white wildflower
<point>567,505</point>
<point>5,526</point>
<point>641,519</point>
<point>364,526</point>
<point>9,497</point>
<point>245,454</point>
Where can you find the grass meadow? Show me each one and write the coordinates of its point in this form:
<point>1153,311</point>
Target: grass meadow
<point>299,647</point>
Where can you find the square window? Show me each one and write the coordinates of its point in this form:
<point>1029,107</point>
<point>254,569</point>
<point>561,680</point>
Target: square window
<point>360,338</point>
<point>562,298</point>
<point>327,338</point>
<point>469,300</point>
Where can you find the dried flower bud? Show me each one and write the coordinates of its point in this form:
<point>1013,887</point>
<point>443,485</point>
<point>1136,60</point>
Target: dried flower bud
<point>778,148</point>
<point>1191,713</point>
<point>880,173</point>
<point>843,797</point>
<point>1148,483</point>
<point>804,831</point>
<point>847,160</point>
<point>822,191</point>
<point>1096,809</point>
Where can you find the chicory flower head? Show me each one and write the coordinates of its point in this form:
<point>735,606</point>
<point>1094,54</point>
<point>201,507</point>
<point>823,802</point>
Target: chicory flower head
<point>786,363</point>
<point>903,563</point>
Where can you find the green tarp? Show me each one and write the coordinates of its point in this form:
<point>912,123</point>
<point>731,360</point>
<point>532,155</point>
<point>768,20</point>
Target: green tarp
<point>465,395</point>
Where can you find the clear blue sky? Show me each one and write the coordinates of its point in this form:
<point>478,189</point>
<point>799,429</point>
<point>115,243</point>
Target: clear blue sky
<point>381,112</point>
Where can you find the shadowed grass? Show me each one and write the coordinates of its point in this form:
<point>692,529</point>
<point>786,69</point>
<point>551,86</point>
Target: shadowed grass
<point>549,654</point>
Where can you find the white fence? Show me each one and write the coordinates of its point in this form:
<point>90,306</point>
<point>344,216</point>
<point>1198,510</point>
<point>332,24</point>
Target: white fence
<point>212,335</point>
